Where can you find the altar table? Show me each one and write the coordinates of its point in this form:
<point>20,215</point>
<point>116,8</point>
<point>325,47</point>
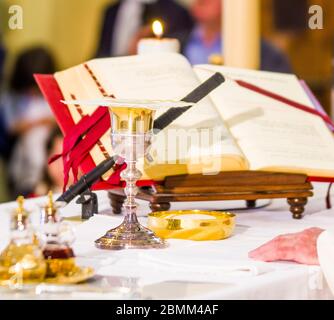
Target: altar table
<point>188,269</point>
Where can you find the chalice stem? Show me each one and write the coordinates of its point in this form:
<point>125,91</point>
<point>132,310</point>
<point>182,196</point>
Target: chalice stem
<point>131,175</point>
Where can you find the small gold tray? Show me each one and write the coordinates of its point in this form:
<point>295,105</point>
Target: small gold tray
<point>176,224</point>
<point>81,274</point>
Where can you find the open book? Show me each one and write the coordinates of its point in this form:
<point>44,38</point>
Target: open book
<point>256,132</point>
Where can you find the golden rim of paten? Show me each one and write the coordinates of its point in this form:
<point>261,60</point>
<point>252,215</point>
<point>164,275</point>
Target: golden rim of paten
<point>171,224</point>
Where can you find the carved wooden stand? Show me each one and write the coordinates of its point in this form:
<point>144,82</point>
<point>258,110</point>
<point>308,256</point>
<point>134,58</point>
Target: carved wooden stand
<point>239,185</point>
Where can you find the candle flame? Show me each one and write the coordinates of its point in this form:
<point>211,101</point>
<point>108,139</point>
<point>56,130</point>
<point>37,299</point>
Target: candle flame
<point>158,28</point>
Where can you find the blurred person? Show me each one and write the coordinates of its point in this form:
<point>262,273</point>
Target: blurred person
<point>2,59</point>
<point>127,21</point>
<point>205,38</point>
<point>4,139</point>
<point>313,246</point>
<point>53,174</point>
<point>28,119</point>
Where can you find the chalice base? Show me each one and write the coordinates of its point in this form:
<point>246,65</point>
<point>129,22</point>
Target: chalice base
<point>130,236</point>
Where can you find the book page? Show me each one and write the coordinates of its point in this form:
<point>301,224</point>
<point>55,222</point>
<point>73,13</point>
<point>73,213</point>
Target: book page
<point>157,77</point>
<point>273,135</point>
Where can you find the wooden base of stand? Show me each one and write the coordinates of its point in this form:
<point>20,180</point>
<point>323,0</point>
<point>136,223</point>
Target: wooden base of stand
<point>239,185</point>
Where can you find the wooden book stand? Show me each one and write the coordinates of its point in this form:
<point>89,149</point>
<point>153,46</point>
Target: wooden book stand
<point>238,185</point>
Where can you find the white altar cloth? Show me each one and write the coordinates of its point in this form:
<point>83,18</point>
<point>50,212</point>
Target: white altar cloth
<point>189,269</point>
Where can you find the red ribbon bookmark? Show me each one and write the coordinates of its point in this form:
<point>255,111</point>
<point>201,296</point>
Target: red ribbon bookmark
<point>287,101</point>
<point>80,140</point>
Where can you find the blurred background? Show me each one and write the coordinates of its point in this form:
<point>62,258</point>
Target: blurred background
<point>58,34</point>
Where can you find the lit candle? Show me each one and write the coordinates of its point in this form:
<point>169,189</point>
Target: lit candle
<point>241,33</point>
<point>158,44</point>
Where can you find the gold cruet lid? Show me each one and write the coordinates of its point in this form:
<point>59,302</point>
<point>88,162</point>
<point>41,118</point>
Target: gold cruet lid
<point>19,219</point>
<point>50,210</point>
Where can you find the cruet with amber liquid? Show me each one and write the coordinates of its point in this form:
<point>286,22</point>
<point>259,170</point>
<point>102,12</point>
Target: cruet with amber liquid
<point>22,261</point>
<point>57,237</point>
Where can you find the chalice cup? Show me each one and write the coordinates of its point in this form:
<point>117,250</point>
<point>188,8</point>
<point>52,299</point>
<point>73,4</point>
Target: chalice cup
<point>131,135</point>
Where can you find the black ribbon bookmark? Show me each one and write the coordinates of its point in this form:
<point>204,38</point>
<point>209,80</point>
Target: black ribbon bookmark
<point>195,96</point>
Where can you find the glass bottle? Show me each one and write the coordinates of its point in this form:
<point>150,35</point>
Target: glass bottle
<point>22,260</point>
<point>57,237</point>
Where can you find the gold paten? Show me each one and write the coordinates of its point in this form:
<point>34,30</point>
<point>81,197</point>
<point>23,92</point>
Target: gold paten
<point>79,274</point>
<point>171,224</point>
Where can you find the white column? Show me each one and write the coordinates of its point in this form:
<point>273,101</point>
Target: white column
<point>241,33</point>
